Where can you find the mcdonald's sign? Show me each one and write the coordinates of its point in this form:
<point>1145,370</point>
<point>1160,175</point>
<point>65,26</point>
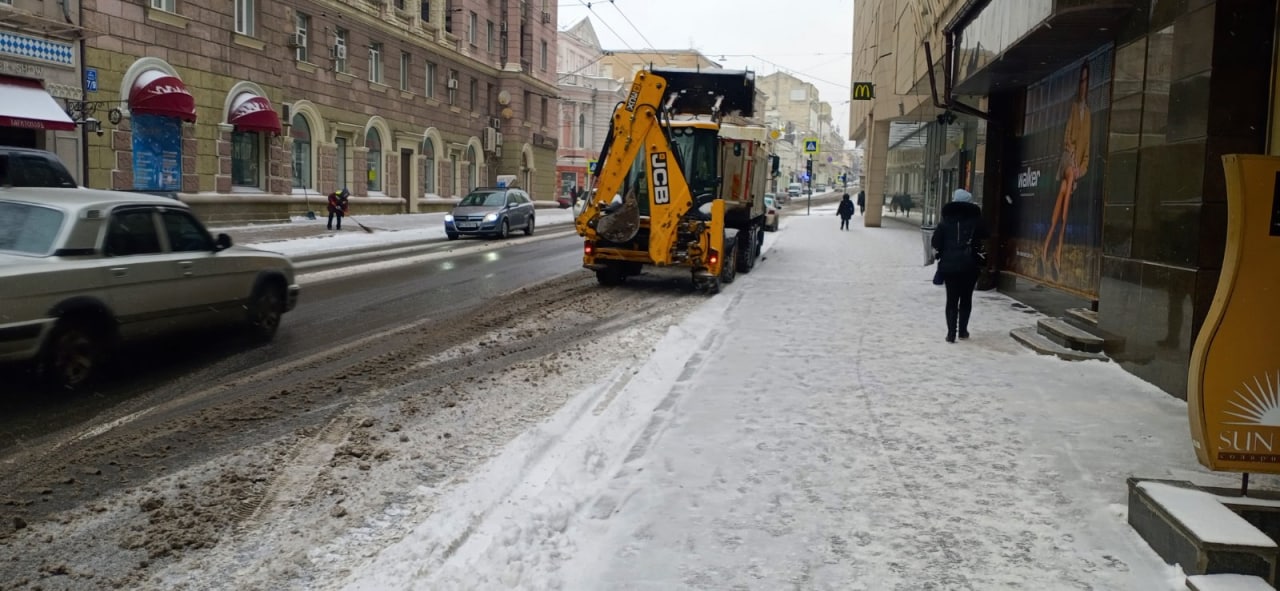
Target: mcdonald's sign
<point>864,91</point>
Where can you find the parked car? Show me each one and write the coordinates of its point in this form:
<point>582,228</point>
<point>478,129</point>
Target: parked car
<point>84,270</point>
<point>779,198</point>
<point>493,211</point>
<point>770,214</point>
<point>564,201</point>
<point>794,190</point>
<point>23,167</point>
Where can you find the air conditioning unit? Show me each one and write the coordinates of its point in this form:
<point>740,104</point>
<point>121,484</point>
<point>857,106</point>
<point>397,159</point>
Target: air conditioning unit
<point>495,123</point>
<point>294,41</point>
<point>503,26</point>
<point>453,83</point>
<point>339,52</point>
<point>499,140</point>
<point>546,16</point>
<point>490,139</point>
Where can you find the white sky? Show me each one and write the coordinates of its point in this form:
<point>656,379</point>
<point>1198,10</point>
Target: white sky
<point>811,39</point>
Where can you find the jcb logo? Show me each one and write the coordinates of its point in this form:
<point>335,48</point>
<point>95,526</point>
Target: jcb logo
<point>661,190</point>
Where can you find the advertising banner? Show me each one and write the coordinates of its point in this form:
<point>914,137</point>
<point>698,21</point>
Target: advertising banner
<point>1233,385</point>
<point>1052,217</point>
<point>157,153</point>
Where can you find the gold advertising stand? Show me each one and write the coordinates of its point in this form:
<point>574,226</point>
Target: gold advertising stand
<point>1233,395</point>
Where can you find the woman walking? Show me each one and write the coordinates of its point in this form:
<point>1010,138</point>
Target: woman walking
<point>845,211</point>
<point>959,240</point>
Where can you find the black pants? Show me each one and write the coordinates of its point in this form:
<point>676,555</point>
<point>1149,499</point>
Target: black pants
<point>335,213</point>
<point>959,299</point>
<point>844,223</point>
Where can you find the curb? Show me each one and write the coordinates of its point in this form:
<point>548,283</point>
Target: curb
<point>312,263</point>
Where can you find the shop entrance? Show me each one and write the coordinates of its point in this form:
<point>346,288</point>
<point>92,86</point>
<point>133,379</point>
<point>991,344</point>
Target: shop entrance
<point>22,138</point>
<point>406,189</point>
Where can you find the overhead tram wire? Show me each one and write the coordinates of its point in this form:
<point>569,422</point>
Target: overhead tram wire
<point>648,43</point>
<point>606,25</point>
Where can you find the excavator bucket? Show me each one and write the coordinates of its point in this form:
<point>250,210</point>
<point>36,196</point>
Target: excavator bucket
<point>699,89</point>
<point>620,223</point>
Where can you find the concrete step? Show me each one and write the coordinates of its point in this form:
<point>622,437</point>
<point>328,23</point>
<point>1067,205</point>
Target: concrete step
<point>1081,317</point>
<point>1037,342</point>
<point>1228,583</point>
<point>1062,333</point>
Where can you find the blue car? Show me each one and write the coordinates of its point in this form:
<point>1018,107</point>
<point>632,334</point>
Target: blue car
<point>491,212</point>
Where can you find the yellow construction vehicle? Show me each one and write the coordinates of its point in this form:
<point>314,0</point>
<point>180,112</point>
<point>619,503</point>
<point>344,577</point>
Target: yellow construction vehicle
<point>680,180</point>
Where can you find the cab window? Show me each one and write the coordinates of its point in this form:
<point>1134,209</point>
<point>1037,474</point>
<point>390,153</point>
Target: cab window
<point>184,232</point>
<point>132,232</point>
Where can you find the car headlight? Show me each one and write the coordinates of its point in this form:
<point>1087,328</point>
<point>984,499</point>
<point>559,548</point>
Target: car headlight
<point>493,217</point>
<point>448,217</point>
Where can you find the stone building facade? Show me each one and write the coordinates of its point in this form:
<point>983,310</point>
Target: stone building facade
<point>587,99</point>
<point>41,91</point>
<point>254,110</point>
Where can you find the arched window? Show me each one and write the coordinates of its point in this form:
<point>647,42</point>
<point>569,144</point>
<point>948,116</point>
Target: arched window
<point>301,133</point>
<point>582,130</point>
<point>373,141</point>
<point>527,172</point>
<point>429,177</point>
<point>472,179</point>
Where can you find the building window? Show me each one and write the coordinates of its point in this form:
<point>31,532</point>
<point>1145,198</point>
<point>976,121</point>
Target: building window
<point>488,36</point>
<point>375,63</point>
<point>404,70</point>
<point>528,106</point>
<point>430,90</point>
<point>165,5</point>
<point>245,18</point>
<point>544,56</point>
<point>453,87</point>
<point>472,179</point>
<point>399,4</point>
<point>543,119</point>
<point>300,131</point>
<point>429,177</point>
<point>582,130</point>
<point>472,26</point>
<point>426,11</point>
<point>301,28</point>
<point>341,144</point>
<point>448,16</point>
<point>246,159</point>
<point>373,163</point>
<point>340,51</point>
<point>475,95</point>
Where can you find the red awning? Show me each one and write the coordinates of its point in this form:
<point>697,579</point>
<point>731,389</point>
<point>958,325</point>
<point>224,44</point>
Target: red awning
<point>157,93</point>
<point>24,103</point>
<point>250,112</point>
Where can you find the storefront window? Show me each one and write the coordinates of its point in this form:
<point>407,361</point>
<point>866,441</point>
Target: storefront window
<point>471,168</point>
<point>157,153</point>
<point>301,133</point>
<point>246,159</point>
<point>373,141</point>
<point>429,179</point>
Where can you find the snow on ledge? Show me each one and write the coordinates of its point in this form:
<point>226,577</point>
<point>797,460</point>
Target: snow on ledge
<point>1205,516</point>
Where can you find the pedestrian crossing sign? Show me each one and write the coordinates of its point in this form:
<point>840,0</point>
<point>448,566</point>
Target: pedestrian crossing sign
<point>591,167</point>
<point>811,145</point>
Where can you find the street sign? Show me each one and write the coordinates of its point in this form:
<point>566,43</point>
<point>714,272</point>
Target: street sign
<point>91,80</point>
<point>591,166</point>
<point>811,145</point>
<point>863,91</point>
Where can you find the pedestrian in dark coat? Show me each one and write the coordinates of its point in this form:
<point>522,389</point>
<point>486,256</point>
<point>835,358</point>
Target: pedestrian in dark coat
<point>862,202</point>
<point>845,211</point>
<point>959,241</point>
<point>338,207</point>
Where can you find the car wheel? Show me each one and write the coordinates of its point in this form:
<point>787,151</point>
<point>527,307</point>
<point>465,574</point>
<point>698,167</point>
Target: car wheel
<point>451,235</point>
<point>505,232</point>
<point>266,307</point>
<point>72,355</point>
<point>747,251</point>
<point>528,228</point>
<point>729,266</point>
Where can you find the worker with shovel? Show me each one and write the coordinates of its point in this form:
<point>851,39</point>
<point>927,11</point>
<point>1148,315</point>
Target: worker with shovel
<point>338,206</point>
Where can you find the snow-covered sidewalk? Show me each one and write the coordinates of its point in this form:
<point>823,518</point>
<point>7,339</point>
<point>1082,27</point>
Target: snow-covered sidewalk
<point>810,429</point>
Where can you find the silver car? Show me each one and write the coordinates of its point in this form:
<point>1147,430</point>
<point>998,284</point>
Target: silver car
<point>82,270</point>
<point>491,212</point>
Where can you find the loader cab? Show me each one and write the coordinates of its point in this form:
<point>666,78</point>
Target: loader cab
<point>697,148</point>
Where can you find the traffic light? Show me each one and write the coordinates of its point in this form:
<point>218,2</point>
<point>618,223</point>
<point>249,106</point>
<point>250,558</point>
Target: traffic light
<point>808,167</point>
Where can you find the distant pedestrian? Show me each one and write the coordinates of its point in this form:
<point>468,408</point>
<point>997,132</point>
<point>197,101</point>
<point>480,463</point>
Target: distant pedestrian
<point>338,206</point>
<point>845,211</point>
<point>960,242</point>
<point>862,203</point>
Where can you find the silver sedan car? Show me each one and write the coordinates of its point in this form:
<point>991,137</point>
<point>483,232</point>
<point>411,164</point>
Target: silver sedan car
<point>491,212</point>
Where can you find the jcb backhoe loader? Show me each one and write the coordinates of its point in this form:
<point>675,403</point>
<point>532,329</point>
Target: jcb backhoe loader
<point>680,181</point>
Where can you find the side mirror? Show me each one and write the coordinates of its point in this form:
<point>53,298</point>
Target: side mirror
<point>223,242</point>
